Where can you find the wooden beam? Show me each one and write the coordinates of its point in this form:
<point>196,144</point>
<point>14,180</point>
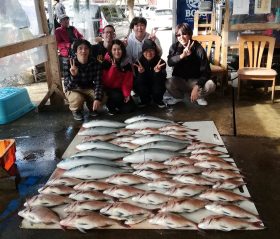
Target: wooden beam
<point>254,26</point>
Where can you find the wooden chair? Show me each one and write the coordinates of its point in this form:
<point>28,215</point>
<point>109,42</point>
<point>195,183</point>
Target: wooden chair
<point>259,64</point>
<point>203,28</point>
<point>210,42</point>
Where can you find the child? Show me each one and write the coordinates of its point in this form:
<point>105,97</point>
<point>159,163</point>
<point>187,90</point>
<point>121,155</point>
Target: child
<point>150,75</point>
<point>118,79</point>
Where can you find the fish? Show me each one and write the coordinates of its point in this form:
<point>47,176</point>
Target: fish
<point>125,132</point>
<point>149,166</point>
<point>99,130</point>
<point>92,185</point>
<point>167,145</point>
<point>39,214</point>
<point>151,174</point>
<point>186,190</point>
<point>184,169</point>
<point>98,144</point>
<point>146,131</point>
<point>47,200</point>
<point>90,195</point>
<point>127,145</point>
<point>106,137</point>
<point>64,181</point>
<point>222,195</point>
<point>72,162</point>
<point>104,123</point>
<point>122,191</point>
<point>93,171</point>
<point>152,198</point>
<point>163,183</point>
<point>229,184</point>
<point>88,205</point>
<point>145,117</point>
<point>225,223</point>
<point>152,138</point>
<point>179,160</point>
<point>146,155</point>
<point>183,205</point>
<point>202,145</point>
<point>87,220</point>
<point>142,124</point>
<point>232,211</point>
<point>174,127</point>
<point>101,153</point>
<point>209,151</point>
<point>124,139</point>
<point>126,179</point>
<point>201,157</point>
<point>193,179</point>
<point>171,220</point>
<point>56,189</point>
<point>215,165</point>
<point>221,174</point>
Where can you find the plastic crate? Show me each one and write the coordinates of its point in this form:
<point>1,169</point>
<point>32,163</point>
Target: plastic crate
<point>7,153</point>
<point>14,103</point>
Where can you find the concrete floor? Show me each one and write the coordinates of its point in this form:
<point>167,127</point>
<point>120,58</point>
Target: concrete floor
<point>42,138</point>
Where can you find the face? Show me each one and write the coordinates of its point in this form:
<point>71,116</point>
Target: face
<point>116,51</point>
<point>270,17</point>
<point>139,30</point>
<point>82,52</point>
<point>108,34</point>
<point>149,54</point>
<point>183,38</point>
<point>64,22</point>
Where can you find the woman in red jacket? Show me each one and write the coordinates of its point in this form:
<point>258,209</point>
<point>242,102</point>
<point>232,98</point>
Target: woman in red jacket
<point>118,79</point>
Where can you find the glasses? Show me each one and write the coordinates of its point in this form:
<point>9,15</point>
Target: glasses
<point>179,35</point>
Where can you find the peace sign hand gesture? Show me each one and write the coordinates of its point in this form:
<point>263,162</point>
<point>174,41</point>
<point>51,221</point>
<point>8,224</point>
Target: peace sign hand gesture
<point>157,68</point>
<point>139,67</point>
<point>73,67</point>
<point>153,34</point>
<point>187,49</point>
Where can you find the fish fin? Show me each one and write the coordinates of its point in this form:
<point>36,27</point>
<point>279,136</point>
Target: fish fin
<point>81,230</point>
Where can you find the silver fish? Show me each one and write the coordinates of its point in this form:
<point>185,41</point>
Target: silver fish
<point>64,181</point>
<point>147,131</point>
<point>184,169</point>
<point>122,191</point>
<point>92,185</point>
<point>193,179</point>
<point>215,165</point>
<point>232,211</point>
<point>101,153</point>
<point>152,198</point>
<point>100,130</point>
<point>229,184</point>
<point>146,155</point>
<point>186,190</point>
<point>87,220</point>
<point>221,174</point>
<point>145,117</point>
<point>152,138</point>
<point>167,145</point>
<point>125,132</point>
<point>142,124</point>
<point>171,220</point>
<point>127,145</point>
<point>104,123</point>
<point>98,144</point>
<point>149,166</point>
<point>56,189</point>
<point>88,205</point>
<point>222,195</point>
<point>92,171</point>
<point>99,137</point>
<point>163,183</point>
<point>183,205</point>
<point>47,200</point>
<point>39,214</point>
<point>225,223</point>
<point>151,174</point>
<point>126,179</point>
<point>90,195</point>
<point>124,139</point>
<point>69,163</point>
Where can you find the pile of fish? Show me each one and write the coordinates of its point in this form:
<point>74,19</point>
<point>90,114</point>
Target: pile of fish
<point>146,170</point>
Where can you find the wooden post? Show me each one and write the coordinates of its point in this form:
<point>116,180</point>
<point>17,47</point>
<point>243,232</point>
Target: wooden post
<point>225,30</point>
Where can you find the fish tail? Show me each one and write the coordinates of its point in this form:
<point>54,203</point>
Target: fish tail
<point>258,225</point>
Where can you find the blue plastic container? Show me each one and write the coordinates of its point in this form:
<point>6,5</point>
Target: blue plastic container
<point>14,103</point>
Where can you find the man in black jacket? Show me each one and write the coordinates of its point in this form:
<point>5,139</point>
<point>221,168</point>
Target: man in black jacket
<point>191,69</point>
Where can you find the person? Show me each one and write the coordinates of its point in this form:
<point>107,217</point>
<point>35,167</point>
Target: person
<point>101,48</point>
<point>150,75</point>
<point>270,17</point>
<point>59,11</point>
<point>82,81</point>
<point>191,69</point>
<point>137,37</point>
<point>118,79</point>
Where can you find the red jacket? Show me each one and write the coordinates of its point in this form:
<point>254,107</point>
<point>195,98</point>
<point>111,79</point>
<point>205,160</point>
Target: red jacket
<point>63,40</point>
<point>117,78</point>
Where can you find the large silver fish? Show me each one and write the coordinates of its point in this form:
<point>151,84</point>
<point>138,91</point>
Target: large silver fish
<point>100,130</point>
<point>73,162</point>
<point>47,200</point>
<point>183,205</point>
<point>152,138</point>
<point>101,153</point>
<point>167,145</point>
<point>104,123</point>
<point>85,206</point>
<point>98,144</point>
<point>142,124</point>
<point>145,155</point>
<point>225,223</point>
<point>93,171</point>
<point>145,117</point>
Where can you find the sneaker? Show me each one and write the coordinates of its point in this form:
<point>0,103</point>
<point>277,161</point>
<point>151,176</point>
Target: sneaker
<point>77,115</point>
<point>173,101</point>
<point>161,105</point>
<point>93,113</point>
<point>202,102</point>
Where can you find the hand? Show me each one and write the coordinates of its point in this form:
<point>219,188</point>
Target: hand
<point>126,99</point>
<point>96,105</point>
<point>139,67</point>
<point>125,41</point>
<point>153,34</point>
<point>113,60</point>
<point>187,50</point>
<point>157,68</point>
<point>73,67</point>
<point>195,93</point>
